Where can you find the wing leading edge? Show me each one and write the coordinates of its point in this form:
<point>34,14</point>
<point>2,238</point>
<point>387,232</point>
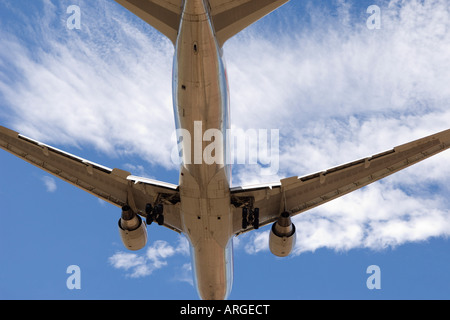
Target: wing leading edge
<point>115,186</point>
<point>299,194</point>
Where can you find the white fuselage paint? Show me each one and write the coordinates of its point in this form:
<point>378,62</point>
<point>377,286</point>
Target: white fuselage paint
<point>200,92</point>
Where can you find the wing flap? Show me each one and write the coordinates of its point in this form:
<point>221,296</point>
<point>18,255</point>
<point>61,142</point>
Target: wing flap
<point>299,194</point>
<point>114,186</point>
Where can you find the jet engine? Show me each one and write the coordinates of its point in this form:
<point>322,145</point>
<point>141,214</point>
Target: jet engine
<point>133,231</point>
<point>282,236</point>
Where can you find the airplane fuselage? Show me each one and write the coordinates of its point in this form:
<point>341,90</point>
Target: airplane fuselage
<point>201,107</point>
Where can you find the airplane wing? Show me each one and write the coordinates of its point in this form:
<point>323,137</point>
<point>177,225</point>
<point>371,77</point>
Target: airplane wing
<point>115,186</point>
<point>299,194</point>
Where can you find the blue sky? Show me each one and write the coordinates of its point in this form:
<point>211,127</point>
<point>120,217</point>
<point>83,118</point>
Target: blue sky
<point>336,90</point>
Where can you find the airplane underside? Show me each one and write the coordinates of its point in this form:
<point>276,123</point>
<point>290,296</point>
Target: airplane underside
<point>204,206</point>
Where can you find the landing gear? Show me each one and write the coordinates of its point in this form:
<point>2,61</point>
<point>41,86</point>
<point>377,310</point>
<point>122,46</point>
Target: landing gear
<point>250,217</point>
<point>244,218</point>
<point>255,222</point>
<point>154,213</point>
<point>148,211</point>
<point>158,211</point>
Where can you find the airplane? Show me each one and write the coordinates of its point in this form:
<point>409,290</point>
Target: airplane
<point>204,206</point>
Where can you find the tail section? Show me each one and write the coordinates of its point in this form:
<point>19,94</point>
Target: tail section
<point>229,17</point>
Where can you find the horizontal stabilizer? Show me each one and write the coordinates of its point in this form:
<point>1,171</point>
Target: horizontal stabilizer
<point>163,15</point>
<point>229,17</point>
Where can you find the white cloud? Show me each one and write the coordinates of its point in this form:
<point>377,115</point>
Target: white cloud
<point>258,241</point>
<point>93,87</point>
<point>155,257</point>
<point>127,261</point>
<point>50,183</point>
<point>184,274</point>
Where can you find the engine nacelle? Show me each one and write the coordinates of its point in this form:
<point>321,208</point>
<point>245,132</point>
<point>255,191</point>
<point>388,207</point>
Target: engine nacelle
<point>282,236</point>
<point>133,231</point>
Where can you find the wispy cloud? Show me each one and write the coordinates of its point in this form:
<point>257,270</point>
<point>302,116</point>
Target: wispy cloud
<point>154,258</point>
<point>50,183</point>
<point>91,87</point>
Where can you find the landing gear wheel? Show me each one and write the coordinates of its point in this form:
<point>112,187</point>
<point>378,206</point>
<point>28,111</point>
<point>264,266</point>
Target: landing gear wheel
<point>255,222</point>
<point>250,217</point>
<point>158,211</point>
<point>154,214</point>
<point>148,211</point>
<point>160,220</point>
<point>244,218</point>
